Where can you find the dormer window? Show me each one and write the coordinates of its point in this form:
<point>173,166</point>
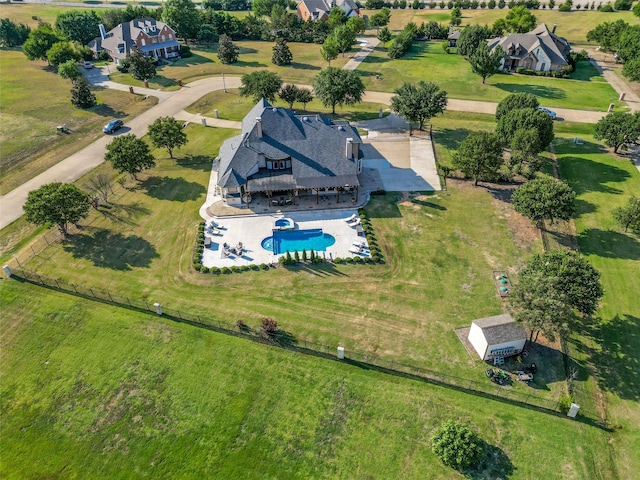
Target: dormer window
<point>121,48</point>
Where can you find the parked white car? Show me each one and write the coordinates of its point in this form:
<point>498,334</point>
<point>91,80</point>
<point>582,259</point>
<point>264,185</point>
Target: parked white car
<point>88,65</point>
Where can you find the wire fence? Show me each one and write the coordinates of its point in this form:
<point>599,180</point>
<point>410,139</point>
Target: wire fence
<point>285,340</point>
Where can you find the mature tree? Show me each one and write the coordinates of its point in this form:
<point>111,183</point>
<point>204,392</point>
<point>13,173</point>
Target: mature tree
<point>304,97</point>
<point>520,20</point>
<point>281,53</point>
<point>167,132</point>
<point>618,130</point>
<point>289,93</point>
<point>345,38</point>
<point>524,153</point>
<point>516,101</point>
<point>12,34</point>
<point>56,204</point>
<point>183,17</point>
<point>498,28</point>
<point>334,86</point>
<point>479,155</point>
<point>380,19</point>
<point>631,68</point>
<point>261,84</point>
<point>538,303</point>
<point>628,45</point>
<point>330,49</point>
<point>526,119</point>
<point>100,185</point>
<point>607,34</point>
<point>78,25</point>
<point>457,445</point>
<point>337,17</point>
<point>384,35</point>
<point>628,216</point>
<point>141,67</point>
<point>357,25</point>
<point>264,7</point>
<point>578,280</point>
<point>81,94</point>
<point>207,34</point>
<point>227,50</point>
<point>62,52</point>
<point>418,103</point>
<point>40,41</point>
<point>471,38</point>
<point>69,70</point>
<point>545,199</point>
<point>129,154</point>
<point>486,63</point>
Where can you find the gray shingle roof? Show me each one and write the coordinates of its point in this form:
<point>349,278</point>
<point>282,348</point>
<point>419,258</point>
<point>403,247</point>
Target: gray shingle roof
<point>315,145</point>
<point>126,33</point>
<point>500,329</point>
<point>555,47</point>
<point>324,6</point>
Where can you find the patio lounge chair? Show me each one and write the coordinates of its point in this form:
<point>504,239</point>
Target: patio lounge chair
<point>359,244</point>
<point>357,250</point>
<point>354,223</point>
<point>352,218</point>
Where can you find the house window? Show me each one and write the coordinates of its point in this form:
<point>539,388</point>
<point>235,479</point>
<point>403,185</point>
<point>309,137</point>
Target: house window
<point>170,36</point>
<point>164,38</point>
<point>144,42</point>
<point>542,67</point>
<point>269,165</point>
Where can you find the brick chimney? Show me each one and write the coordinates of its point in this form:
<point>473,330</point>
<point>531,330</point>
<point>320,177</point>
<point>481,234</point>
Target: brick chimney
<point>259,126</point>
<point>349,149</point>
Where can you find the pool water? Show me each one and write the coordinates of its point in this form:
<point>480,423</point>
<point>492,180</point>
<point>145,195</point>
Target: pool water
<point>298,240</point>
<point>282,222</point>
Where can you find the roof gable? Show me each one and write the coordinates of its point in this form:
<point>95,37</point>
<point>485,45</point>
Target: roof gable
<point>500,329</point>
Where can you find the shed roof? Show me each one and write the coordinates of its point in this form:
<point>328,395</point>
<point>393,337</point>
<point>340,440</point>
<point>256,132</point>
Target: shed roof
<point>500,329</point>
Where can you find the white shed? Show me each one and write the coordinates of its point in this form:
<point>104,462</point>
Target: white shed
<point>497,336</point>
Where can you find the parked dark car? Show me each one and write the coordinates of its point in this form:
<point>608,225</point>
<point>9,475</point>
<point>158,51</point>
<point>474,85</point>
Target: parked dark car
<point>113,126</point>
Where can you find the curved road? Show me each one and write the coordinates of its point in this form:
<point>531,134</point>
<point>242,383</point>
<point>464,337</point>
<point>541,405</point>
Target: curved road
<point>172,104</point>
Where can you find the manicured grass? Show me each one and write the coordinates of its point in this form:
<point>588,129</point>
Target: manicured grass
<point>254,56</point>
<point>24,13</point>
<point>427,61</point>
<point>396,310</point>
<point>609,347</point>
<point>90,391</point>
<point>34,100</point>
<point>231,106</point>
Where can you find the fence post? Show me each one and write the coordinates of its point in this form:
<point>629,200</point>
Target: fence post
<point>57,284</point>
<point>34,252</point>
<point>110,297</point>
<point>94,295</point>
<point>147,304</point>
<point>17,261</point>
<point>128,301</point>
<point>74,288</point>
<point>45,239</point>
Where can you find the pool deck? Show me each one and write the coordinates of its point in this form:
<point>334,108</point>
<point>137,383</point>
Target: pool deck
<point>252,229</point>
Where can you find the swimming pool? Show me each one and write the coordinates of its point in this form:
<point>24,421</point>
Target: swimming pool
<point>298,240</point>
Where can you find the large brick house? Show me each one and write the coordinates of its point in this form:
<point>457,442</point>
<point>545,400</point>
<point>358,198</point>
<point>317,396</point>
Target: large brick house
<point>320,9</point>
<point>153,37</point>
<point>539,50</point>
<point>279,153</point>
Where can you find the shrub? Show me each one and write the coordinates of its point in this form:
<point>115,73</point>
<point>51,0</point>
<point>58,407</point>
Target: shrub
<point>338,260</point>
<point>264,266</point>
<point>245,268</point>
<point>269,327</point>
<point>564,403</point>
<point>225,270</point>
<point>304,255</point>
<point>348,260</point>
<point>606,8</point>
<point>197,267</point>
<point>215,270</point>
<point>185,51</point>
<point>243,327</point>
<point>296,256</point>
<point>255,267</point>
<point>205,270</point>
<point>235,269</point>
<point>457,445</point>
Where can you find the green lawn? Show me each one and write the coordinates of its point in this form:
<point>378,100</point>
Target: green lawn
<point>254,55</point>
<point>395,311</point>
<point>91,391</point>
<point>604,182</point>
<point>231,106</point>
<point>33,101</point>
<point>427,61</point>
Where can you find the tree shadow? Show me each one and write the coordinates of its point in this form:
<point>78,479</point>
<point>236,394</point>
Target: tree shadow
<point>450,138</point>
<point>175,189</point>
<point>617,363</point>
<point>244,50</point>
<point>240,63</point>
<point>111,250</point>
<point>537,90</point>
<point>194,59</point>
<point>304,66</point>
<point>495,463</point>
<point>122,213</point>
<point>196,162</point>
<point>435,206</point>
<point>384,206</point>
<point>609,243</point>
<point>583,207</point>
<point>595,175</point>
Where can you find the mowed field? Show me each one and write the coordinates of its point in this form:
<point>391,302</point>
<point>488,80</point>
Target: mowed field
<point>90,391</point>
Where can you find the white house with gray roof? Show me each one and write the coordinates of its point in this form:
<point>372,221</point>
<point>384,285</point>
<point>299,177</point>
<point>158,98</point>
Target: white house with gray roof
<point>320,9</point>
<point>539,50</point>
<point>153,37</point>
<point>497,336</point>
<point>279,153</point>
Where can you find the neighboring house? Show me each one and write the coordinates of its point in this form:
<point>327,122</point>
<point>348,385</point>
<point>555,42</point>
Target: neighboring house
<point>539,50</point>
<point>154,38</point>
<point>453,37</point>
<point>320,9</point>
<point>280,153</point>
<point>497,336</point>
